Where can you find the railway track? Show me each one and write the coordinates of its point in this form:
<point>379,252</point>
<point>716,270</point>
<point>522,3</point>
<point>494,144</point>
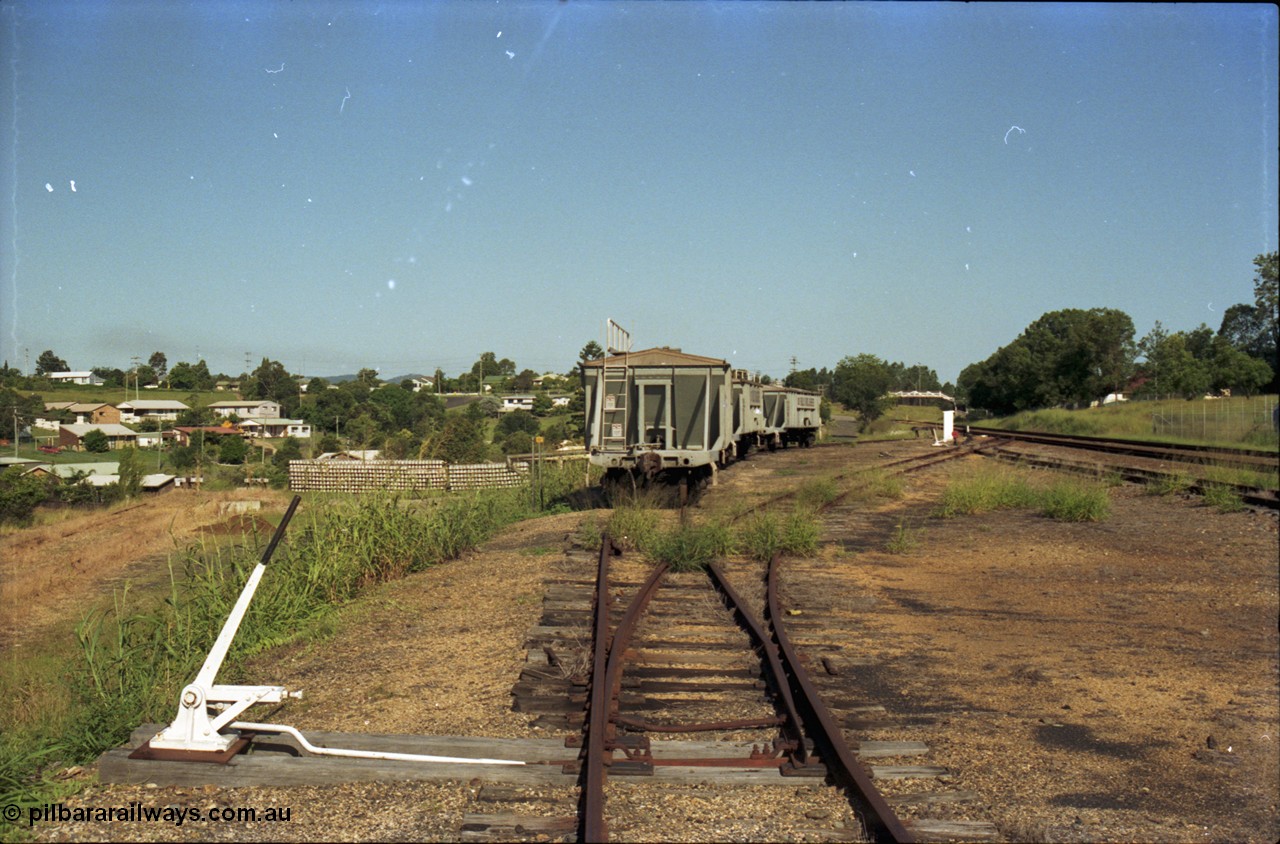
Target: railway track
<point>1139,462</point>
<point>705,677</point>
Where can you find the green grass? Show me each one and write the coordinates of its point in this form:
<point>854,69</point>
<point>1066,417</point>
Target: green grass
<point>1223,498</point>
<point>873,483</point>
<point>1073,500</point>
<point>1239,422</point>
<point>904,540</point>
<point>817,493</point>
<point>763,534</point>
<point>690,547</point>
<point>988,488</point>
<point>1175,483</point>
<point>634,525</point>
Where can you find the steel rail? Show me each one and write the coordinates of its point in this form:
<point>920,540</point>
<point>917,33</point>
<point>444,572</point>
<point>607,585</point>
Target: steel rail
<point>592,785</point>
<point>881,821</point>
<point>1250,495</point>
<point>793,726</point>
<point>1244,457</point>
<point>605,687</point>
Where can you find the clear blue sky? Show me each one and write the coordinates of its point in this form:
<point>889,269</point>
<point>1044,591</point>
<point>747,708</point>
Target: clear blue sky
<point>403,185</point>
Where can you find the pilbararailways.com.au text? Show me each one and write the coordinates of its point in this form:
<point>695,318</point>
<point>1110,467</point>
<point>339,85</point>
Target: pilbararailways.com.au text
<point>136,812</point>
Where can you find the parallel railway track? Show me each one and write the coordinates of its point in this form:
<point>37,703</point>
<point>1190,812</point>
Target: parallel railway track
<point>1139,462</point>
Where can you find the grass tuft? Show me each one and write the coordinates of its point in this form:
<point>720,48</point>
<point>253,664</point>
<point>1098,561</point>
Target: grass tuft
<point>691,547</point>
<point>1224,498</point>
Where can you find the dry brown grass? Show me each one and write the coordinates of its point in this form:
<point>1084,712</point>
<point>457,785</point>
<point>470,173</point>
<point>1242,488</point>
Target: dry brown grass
<point>60,568</point>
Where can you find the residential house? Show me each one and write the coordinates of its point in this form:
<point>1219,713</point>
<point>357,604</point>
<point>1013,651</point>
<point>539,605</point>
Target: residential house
<point>424,382</point>
<point>72,436</point>
<point>74,378</point>
<point>182,434</point>
<point>510,403</point>
<point>165,410</point>
<point>353,454</point>
<point>95,413</point>
<point>53,415</point>
<point>276,428</point>
<point>248,409</point>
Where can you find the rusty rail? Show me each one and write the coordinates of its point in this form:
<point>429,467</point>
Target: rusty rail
<point>881,821</point>
<point>592,791</point>
<point>606,683</point>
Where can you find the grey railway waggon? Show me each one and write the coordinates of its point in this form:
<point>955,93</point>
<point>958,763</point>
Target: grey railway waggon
<point>663,416</point>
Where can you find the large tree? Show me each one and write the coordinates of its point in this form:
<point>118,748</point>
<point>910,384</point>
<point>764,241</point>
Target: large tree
<point>159,363</point>
<point>862,383</point>
<point>1065,357</point>
<point>272,381</point>
<point>49,362</point>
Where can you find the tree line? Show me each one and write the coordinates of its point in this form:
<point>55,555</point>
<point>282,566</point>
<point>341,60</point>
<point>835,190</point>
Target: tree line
<point>1073,357</point>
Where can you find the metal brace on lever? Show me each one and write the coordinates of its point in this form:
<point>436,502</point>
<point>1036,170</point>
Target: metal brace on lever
<point>196,733</point>
<point>193,729</point>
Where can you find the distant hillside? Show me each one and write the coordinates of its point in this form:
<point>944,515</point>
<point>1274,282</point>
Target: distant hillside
<point>342,379</point>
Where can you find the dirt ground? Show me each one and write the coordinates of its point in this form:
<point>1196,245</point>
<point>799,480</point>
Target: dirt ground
<point>1115,681</point>
<point>1095,681</point>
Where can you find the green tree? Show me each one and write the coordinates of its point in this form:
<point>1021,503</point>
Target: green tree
<point>19,496</point>
<point>516,420</point>
<point>14,405</point>
<point>862,384</point>
<point>143,376</point>
<point>95,441</point>
<point>130,472</point>
<point>159,364</point>
<point>591,351</point>
<point>542,405</point>
<point>363,432</point>
<point>232,449</point>
<point>1266,297</point>
<point>1064,357</point>
<point>461,440</point>
<point>272,381</point>
<point>518,442</point>
<point>49,362</point>
<point>111,376</point>
<point>288,449</point>
<point>398,405</point>
<point>186,376</point>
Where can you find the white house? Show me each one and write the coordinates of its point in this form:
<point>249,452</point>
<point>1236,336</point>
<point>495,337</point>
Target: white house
<point>163,409</point>
<point>251,409</point>
<point>74,378</point>
<point>276,428</point>
<point>424,382</point>
<point>510,403</point>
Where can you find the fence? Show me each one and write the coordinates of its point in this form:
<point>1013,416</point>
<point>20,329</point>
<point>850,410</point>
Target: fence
<point>1224,419</point>
<point>402,475</point>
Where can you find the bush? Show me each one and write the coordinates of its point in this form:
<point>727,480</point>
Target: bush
<point>19,497</point>
<point>96,442</point>
<point>232,449</point>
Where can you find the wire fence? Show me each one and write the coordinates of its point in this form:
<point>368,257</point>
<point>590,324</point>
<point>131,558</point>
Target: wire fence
<point>1252,419</point>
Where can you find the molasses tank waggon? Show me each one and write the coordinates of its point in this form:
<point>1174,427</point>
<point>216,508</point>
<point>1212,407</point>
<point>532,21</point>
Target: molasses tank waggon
<point>659,414</point>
